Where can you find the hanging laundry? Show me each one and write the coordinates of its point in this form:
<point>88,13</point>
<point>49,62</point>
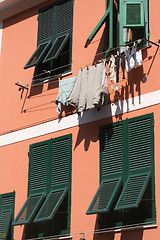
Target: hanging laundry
<point>130,62</point>
<point>87,91</point>
<point>133,52</point>
<point>117,66</point>
<point>97,85</point>
<point>65,87</point>
<point>123,63</point>
<point>139,58</point>
<point>112,74</point>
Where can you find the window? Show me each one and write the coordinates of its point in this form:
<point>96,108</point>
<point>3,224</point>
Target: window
<point>6,215</point>
<point>54,45</point>
<point>126,20</point>
<point>46,211</point>
<point>126,195</point>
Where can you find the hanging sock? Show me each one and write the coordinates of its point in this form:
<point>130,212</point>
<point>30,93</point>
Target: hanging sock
<point>138,58</point>
<point>112,74</point>
<point>133,52</point>
<point>117,67</point>
<point>130,63</point>
<point>123,63</point>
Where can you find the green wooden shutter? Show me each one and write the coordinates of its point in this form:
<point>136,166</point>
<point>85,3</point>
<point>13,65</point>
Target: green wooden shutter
<point>38,159</point>
<point>61,163</point>
<point>38,54</point>
<point>140,144</point>
<point>134,13</point>
<point>111,152</point>
<point>104,196</point>
<point>111,168</point>
<point>133,191</point>
<point>51,205</point>
<point>62,30</point>
<point>29,209</point>
<point>109,14</point>
<point>64,16</point>
<point>37,184</point>
<point>140,161</point>
<point>6,213</point>
<point>45,33</point>
<point>60,180</point>
<point>46,24</point>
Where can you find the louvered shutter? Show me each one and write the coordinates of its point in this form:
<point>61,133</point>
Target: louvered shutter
<point>111,164</point>
<point>134,13</point>
<point>6,213</point>
<point>140,162</point>
<point>45,34</point>
<point>46,24</point>
<point>60,180</point>
<point>62,30</point>
<point>37,186</point>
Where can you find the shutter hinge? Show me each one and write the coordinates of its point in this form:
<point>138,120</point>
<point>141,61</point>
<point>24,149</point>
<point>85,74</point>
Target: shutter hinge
<point>38,18</point>
<point>28,154</point>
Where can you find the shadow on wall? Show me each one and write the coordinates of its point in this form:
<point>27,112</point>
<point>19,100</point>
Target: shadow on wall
<point>101,234</point>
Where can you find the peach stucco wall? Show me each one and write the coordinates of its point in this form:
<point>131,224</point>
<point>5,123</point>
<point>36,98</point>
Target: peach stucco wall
<point>38,105</point>
<point>85,176</point>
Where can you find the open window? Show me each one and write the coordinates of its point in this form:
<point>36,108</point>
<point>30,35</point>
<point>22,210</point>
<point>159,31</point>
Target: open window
<point>126,194</point>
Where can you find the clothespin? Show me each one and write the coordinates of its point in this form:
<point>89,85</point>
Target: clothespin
<point>87,67</point>
<point>59,79</point>
<point>117,53</point>
<point>95,64</point>
<point>134,44</point>
<point>81,68</point>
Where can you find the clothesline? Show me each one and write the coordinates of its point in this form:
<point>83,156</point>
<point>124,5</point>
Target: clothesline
<point>54,78</point>
<point>98,54</point>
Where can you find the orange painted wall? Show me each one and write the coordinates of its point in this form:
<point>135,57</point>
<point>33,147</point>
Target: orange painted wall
<point>38,105</point>
<point>18,43</point>
<point>85,176</point>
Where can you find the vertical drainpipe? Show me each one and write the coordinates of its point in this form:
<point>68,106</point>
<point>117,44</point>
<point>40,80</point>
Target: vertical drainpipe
<point>1,27</point>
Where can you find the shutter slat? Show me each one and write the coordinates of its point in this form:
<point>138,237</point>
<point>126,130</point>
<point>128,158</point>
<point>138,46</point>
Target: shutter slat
<point>60,162</point>
<point>140,154</point>
<point>64,16</point>
<point>46,24</point>
<point>38,167</point>
<point>112,151</point>
<point>5,221</point>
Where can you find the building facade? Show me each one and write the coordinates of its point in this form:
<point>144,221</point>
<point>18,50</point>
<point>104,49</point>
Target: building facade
<point>80,122</point>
